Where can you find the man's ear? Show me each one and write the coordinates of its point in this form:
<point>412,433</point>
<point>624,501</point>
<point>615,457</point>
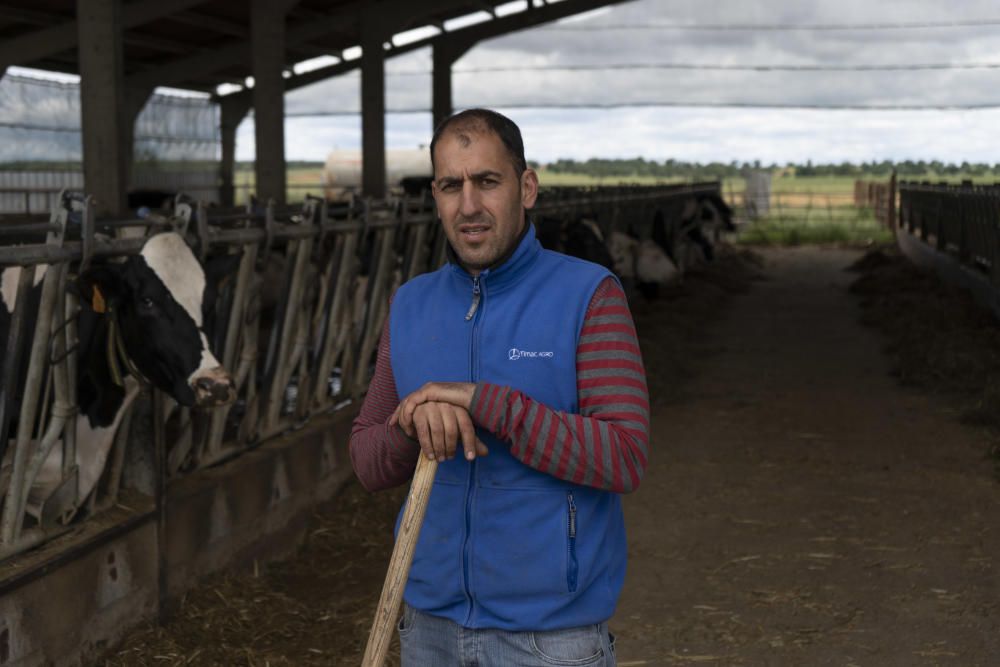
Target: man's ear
<point>529,188</point>
<point>100,288</point>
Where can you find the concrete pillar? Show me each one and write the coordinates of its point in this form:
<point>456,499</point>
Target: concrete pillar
<point>373,180</point>
<point>267,39</point>
<point>233,111</point>
<point>102,102</point>
<point>445,53</point>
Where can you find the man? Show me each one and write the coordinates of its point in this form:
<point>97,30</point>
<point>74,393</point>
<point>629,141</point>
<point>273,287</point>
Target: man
<point>527,362</point>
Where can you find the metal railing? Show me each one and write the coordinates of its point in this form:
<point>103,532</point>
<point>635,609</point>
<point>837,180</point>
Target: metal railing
<point>296,326</point>
<point>959,220</point>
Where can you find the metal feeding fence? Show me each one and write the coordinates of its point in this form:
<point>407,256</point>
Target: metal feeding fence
<point>296,326</point>
<point>962,221</point>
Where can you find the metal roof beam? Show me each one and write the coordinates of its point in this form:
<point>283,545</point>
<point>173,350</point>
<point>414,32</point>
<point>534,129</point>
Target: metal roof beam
<point>463,37</point>
<point>528,18</point>
<point>237,51</point>
<point>36,45</point>
<point>223,26</point>
<point>31,16</point>
<point>161,43</point>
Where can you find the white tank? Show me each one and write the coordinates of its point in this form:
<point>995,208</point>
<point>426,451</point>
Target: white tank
<point>342,171</point>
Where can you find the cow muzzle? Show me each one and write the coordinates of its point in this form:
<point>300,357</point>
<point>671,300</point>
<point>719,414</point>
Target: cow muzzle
<point>213,388</point>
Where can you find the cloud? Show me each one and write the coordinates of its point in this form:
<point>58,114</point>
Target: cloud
<point>691,134</point>
<point>699,131</point>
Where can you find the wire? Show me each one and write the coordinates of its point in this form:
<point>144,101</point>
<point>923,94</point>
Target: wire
<point>693,105</point>
<point>705,66</point>
<point>916,25</point>
<point>69,129</point>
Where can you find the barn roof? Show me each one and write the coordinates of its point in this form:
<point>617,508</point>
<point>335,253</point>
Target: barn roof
<point>198,44</point>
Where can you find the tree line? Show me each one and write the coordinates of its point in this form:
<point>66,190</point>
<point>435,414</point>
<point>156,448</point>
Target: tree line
<point>602,167</point>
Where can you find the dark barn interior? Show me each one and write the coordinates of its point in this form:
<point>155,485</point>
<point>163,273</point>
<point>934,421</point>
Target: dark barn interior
<point>823,417</point>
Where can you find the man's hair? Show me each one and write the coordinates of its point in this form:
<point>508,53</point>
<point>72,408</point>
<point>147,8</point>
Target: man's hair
<point>478,120</point>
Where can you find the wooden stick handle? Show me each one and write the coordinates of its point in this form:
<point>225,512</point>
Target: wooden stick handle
<point>399,564</point>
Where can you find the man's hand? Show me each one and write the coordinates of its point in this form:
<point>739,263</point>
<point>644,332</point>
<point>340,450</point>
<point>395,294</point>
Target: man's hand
<point>438,426</point>
<point>458,394</point>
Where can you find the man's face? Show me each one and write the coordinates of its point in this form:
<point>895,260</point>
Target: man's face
<point>479,197</point>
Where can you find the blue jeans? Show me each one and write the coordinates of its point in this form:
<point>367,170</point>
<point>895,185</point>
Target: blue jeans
<point>430,641</point>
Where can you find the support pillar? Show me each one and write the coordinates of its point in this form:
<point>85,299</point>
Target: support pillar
<point>267,39</point>
<point>233,111</point>
<point>102,103</point>
<point>373,179</point>
<point>445,53</point>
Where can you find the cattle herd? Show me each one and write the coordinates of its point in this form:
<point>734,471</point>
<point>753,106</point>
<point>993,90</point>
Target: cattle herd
<point>645,264</point>
<point>170,313</point>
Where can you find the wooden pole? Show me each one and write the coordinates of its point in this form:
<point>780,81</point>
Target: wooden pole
<point>399,565</point>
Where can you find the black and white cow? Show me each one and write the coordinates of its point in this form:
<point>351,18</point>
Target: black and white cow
<point>641,263</point>
<point>581,238</point>
<point>159,301</point>
<point>154,200</point>
<point>162,299</point>
<point>703,220</point>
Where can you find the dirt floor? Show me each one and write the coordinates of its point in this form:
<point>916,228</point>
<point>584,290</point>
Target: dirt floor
<point>800,508</point>
<point>803,509</point>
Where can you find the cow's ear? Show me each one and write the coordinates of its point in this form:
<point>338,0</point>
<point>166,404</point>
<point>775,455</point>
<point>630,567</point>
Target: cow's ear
<point>100,287</point>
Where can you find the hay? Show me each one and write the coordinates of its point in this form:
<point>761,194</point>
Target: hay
<point>314,609</point>
<point>938,338</point>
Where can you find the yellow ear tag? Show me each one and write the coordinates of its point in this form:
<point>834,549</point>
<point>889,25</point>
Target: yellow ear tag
<point>97,301</point>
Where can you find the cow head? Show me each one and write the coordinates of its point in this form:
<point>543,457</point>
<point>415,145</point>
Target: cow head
<point>160,300</point>
<point>715,212</point>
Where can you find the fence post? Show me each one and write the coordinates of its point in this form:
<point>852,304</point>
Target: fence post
<point>890,220</point>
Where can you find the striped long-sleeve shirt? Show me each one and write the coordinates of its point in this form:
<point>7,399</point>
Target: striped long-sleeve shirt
<point>605,446</point>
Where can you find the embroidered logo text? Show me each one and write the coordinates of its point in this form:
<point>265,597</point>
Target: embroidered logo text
<point>514,354</point>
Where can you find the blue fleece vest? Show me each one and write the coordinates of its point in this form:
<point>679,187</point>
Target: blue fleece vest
<point>503,545</point>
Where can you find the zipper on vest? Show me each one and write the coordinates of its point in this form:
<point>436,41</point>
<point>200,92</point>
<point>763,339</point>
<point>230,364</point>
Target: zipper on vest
<point>572,567</point>
<point>475,300</point>
<point>470,492</point>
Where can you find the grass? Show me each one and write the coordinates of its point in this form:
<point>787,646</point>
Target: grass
<point>300,182</point>
<point>553,179</point>
<point>857,227</point>
<point>804,210</point>
<point>805,192</point>
<point>793,232</point>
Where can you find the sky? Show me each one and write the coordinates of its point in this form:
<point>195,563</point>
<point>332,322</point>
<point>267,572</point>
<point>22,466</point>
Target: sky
<point>681,129</point>
<point>656,79</point>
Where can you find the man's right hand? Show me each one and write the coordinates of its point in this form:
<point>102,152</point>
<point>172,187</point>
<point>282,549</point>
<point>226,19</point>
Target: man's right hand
<point>439,426</point>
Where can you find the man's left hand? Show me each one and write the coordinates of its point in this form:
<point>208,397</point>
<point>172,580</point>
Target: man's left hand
<point>456,393</point>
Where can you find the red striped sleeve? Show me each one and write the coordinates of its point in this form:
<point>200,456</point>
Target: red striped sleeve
<point>382,457</point>
<point>605,446</point>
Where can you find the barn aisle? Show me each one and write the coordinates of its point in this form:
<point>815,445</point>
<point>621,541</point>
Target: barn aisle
<point>801,508</point>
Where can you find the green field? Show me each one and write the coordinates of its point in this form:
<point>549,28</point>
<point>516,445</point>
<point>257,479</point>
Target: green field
<point>815,209</point>
<point>804,210</point>
<point>301,181</point>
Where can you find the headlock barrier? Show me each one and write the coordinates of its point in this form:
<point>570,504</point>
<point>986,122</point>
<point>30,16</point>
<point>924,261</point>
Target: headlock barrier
<point>172,493</point>
<point>953,229</point>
